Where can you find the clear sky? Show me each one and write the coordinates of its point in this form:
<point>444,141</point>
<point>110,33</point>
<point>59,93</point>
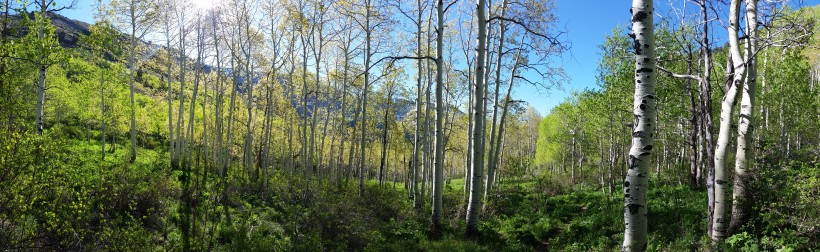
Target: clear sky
<point>586,24</point>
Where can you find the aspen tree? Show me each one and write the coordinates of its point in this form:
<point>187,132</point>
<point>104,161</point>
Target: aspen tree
<point>643,128</point>
<point>720,223</point>
<point>438,169</point>
<point>746,123</point>
<point>136,17</point>
<point>491,161</point>
<point>478,129</point>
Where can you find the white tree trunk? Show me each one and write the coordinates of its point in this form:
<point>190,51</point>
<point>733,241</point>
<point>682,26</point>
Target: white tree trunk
<point>368,34</point>
<point>414,160</point>
<point>745,129</point>
<point>41,99</point>
<point>476,183</point>
<point>721,220</point>
<point>132,156</point>
<point>643,129</point>
<point>41,81</point>
<point>495,135</point>
<point>438,169</point>
<point>180,139</point>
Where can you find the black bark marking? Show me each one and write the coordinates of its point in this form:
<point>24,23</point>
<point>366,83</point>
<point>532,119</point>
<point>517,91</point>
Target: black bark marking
<point>636,44</point>
<point>638,134</point>
<point>650,97</point>
<point>720,181</point>
<point>644,70</point>
<point>633,208</point>
<point>626,184</point>
<point>640,16</point>
<point>639,81</point>
<point>632,163</point>
<point>647,148</point>
<point>644,154</point>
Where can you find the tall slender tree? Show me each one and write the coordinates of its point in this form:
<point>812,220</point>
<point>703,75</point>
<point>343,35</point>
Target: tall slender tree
<point>478,129</point>
<point>137,17</point>
<point>720,223</point>
<point>438,168</point>
<point>643,127</point>
<point>746,123</point>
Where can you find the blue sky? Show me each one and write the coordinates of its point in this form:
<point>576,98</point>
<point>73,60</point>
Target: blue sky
<point>586,23</point>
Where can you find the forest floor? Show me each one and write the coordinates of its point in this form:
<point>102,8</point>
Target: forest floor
<point>84,204</point>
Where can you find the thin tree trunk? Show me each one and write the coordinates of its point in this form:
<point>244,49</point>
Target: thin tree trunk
<point>342,126</point>
<point>491,170</point>
<point>643,128</point>
<point>384,136</point>
<point>706,115</point>
<point>318,54</point>
<point>416,138</point>
<point>353,142</point>
<point>179,147</point>
<point>745,129</point>
<point>694,130</point>
<point>102,112</point>
<point>365,89</point>
<point>494,135</point>
<point>290,99</point>
<point>722,200</point>
<point>438,169</point>
<point>169,92</point>
<point>132,156</point>
<point>478,132</point>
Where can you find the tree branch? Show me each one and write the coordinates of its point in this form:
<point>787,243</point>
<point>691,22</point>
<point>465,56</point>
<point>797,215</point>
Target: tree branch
<point>676,75</point>
<point>552,40</point>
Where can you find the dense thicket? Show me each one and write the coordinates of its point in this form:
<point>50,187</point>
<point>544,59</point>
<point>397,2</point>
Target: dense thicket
<point>382,126</point>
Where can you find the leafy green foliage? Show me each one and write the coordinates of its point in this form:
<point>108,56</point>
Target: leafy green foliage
<point>57,192</point>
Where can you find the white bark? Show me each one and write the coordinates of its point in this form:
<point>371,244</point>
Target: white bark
<point>720,223</point>
<point>477,170</point>
<point>706,114</point>
<point>41,81</point>
<point>416,144</point>
<point>494,135</point>
<point>167,25</point>
<point>438,169</point>
<point>745,129</point>
<point>131,61</point>
<point>643,129</point>
<point>192,108</point>
<point>367,54</point>
<point>179,147</point>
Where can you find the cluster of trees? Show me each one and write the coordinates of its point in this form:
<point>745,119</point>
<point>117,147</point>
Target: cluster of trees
<point>672,114</point>
<point>247,93</point>
<point>310,88</point>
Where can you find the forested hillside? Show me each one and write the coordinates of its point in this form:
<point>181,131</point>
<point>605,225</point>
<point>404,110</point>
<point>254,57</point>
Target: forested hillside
<point>382,125</point>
